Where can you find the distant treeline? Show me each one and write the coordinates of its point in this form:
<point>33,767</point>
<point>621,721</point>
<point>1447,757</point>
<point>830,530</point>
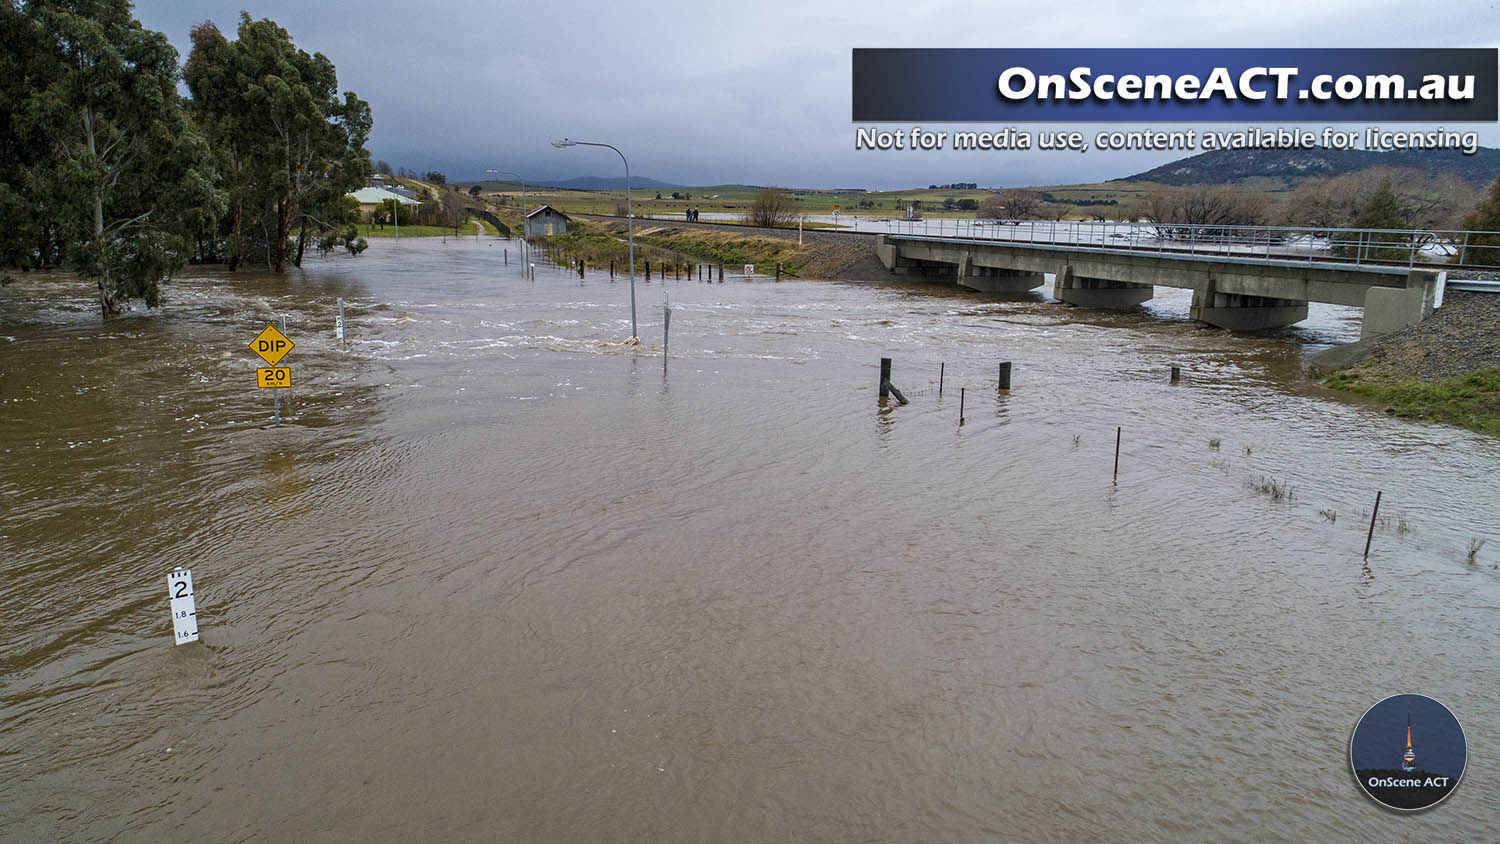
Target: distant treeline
<point>1081,203</point>
<point>956,186</point>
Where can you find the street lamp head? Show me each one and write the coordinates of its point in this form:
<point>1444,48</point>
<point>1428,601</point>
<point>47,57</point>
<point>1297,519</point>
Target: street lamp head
<point>564,142</point>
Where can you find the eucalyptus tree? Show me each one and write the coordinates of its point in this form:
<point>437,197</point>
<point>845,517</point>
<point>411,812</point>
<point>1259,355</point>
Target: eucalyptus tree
<point>288,144</point>
<point>117,166</point>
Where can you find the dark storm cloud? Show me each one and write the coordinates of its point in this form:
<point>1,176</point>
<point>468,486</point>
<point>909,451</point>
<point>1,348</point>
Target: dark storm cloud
<point>704,93</point>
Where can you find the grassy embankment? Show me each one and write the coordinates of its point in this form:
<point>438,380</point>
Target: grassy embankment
<point>1444,369</point>
<point>1471,400</point>
<point>599,244</point>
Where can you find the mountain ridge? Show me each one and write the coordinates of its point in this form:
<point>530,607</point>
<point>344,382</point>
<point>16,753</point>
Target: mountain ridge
<point>1293,166</point>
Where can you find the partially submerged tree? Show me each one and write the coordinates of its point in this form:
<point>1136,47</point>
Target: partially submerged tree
<point>120,166</point>
<point>287,142</point>
<point>1199,210</point>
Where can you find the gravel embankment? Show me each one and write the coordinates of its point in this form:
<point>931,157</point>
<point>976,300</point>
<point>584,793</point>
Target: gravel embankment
<point>1460,337</point>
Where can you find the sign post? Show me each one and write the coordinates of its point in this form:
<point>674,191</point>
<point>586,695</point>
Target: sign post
<point>272,346</point>
<point>338,327</point>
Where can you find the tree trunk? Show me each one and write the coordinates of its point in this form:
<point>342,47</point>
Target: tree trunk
<point>107,305</point>
<point>283,230</point>
<point>301,243</point>
<point>236,239</point>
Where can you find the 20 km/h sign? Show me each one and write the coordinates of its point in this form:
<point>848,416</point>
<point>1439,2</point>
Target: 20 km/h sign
<point>272,346</point>
<point>280,376</point>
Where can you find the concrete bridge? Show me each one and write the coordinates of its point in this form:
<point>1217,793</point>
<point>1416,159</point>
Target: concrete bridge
<point>1235,290</point>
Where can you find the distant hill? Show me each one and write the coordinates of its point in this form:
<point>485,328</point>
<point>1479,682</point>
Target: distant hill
<point>1293,166</point>
<point>606,183</point>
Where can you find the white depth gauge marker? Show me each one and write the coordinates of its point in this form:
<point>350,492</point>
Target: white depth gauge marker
<point>184,612</point>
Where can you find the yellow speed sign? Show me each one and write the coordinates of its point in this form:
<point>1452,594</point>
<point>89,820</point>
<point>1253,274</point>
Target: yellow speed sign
<point>272,377</point>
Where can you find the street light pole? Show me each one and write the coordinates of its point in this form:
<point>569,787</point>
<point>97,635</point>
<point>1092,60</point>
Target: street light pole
<point>519,179</point>
<point>629,221</point>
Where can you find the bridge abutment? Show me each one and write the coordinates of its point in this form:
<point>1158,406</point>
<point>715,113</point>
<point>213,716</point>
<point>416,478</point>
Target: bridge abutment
<point>1086,292</point>
<point>1239,312</point>
<point>1390,309</point>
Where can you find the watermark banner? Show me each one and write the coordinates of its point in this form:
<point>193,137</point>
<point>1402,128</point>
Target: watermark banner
<point>1176,85</point>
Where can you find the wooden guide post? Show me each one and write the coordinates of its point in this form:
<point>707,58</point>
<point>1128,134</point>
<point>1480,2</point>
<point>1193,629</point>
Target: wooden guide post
<point>1117,451</point>
<point>1371,535</point>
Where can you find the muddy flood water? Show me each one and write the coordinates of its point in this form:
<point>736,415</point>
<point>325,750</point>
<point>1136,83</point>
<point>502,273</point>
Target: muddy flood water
<point>497,578</point>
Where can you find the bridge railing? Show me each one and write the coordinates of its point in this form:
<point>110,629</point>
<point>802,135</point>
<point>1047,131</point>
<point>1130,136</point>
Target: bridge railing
<point>1385,247</point>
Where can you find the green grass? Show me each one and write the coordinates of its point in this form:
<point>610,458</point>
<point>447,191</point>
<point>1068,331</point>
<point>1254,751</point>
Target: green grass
<point>731,252</point>
<point>598,247</point>
<point>1471,401</point>
<point>466,230</point>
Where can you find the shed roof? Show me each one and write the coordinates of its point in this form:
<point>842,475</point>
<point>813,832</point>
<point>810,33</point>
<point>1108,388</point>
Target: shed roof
<point>548,208</point>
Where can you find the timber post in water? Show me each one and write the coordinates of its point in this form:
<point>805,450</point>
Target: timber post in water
<point>1176,374</point>
<point>960,407</point>
<point>942,370</point>
<point>1004,377</point>
<point>1118,429</point>
<point>886,387</point>
<point>1369,537</point>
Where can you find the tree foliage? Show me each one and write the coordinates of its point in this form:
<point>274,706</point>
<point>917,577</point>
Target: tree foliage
<point>1483,248</point>
<point>289,145</point>
<point>108,167</point>
<point>771,208</point>
<point>105,169</point>
<point>1199,210</point>
<point>1013,204</point>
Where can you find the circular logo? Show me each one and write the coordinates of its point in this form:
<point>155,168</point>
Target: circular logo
<point>1408,752</point>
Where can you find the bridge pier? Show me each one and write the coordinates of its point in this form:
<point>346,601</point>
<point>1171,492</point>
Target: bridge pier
<point>996,279</point>
<point>1239,312</point>
<point>1088,292</point>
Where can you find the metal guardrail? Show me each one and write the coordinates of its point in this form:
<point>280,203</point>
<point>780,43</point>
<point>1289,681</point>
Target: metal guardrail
<point>1384,247</point>
<point>1473,285</point>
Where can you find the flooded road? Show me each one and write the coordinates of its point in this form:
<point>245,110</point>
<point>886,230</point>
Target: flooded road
<point>496,578</point>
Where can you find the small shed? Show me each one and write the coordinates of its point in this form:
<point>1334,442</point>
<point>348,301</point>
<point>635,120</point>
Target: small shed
<point>546,221</point>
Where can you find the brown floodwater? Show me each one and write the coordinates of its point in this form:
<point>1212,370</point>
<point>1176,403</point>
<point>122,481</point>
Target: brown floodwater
<point>497,578</point>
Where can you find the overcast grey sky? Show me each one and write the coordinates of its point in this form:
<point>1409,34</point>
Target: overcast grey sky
<point>759,93</point>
